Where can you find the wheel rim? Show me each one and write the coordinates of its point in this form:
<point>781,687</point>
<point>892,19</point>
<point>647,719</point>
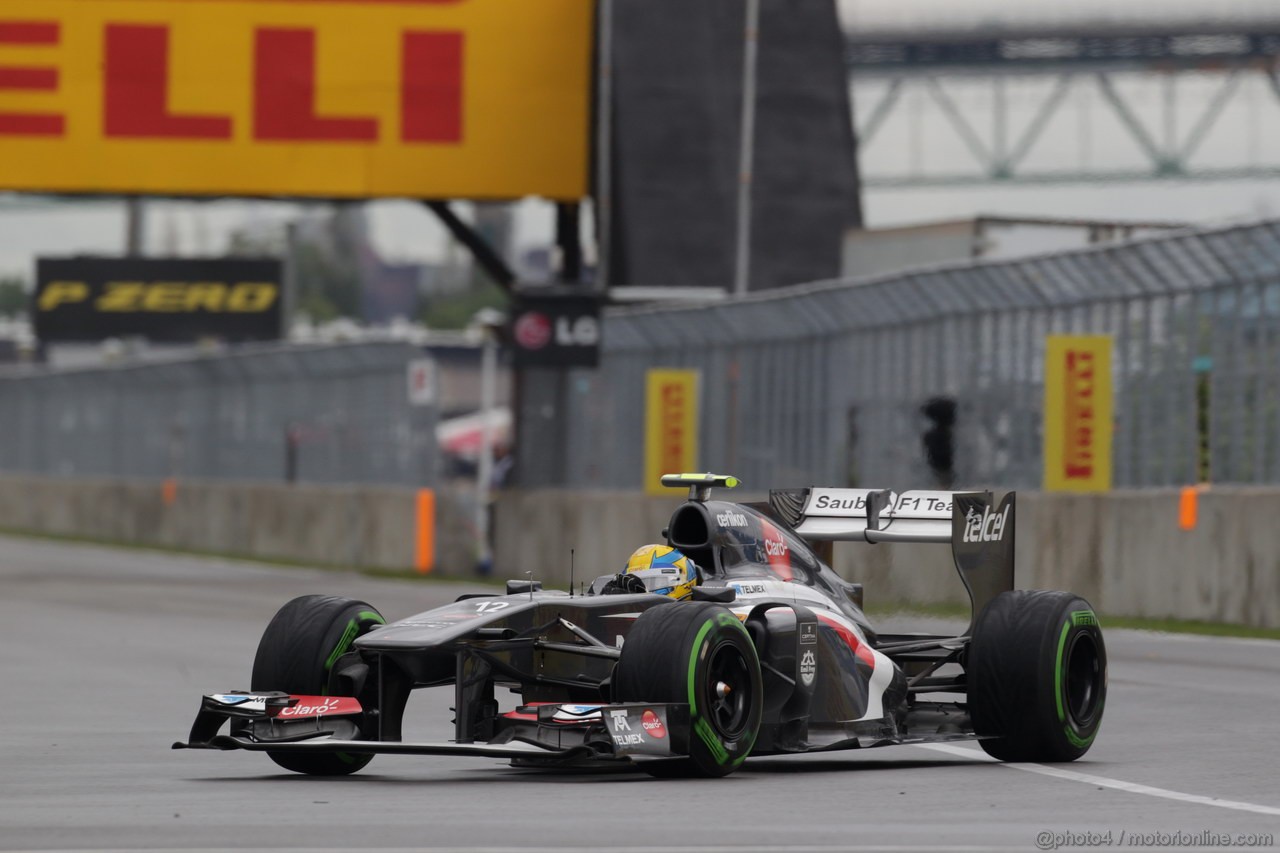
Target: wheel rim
<point>728,690</point>
<point>1084,679</point>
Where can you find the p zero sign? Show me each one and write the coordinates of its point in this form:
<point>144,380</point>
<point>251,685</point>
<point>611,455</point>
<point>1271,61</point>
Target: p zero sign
<point>90,299</point>
<point>329,98</point>
<point>556,331</point>
<point>1077,413</point>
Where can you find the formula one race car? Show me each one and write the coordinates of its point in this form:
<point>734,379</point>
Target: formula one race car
<point>770,653</point>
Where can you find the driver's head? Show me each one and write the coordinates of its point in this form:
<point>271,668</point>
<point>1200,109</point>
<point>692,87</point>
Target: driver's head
<point>659,569</point>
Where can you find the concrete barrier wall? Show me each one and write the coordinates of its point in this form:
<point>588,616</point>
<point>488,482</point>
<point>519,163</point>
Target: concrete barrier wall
<point>1123,551</point>
<point>364,526</point>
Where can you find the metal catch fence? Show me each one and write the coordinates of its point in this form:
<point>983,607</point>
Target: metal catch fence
<point>839,382</point>
<point>322,414</point>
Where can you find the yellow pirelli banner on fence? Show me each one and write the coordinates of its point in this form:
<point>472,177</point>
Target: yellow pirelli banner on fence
<point>670,426</point>
<point>328,98</point>
<point>1077,413</point>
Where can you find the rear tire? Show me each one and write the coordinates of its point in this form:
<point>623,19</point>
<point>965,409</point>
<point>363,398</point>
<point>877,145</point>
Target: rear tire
<point>297,652</point>
<point>681,653</point>
<point>1037,676</point>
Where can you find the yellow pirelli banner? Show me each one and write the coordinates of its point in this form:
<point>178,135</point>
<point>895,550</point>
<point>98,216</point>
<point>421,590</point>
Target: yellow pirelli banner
<point>670,426</point>
<point>1077,413</point>
<point>327,98</point>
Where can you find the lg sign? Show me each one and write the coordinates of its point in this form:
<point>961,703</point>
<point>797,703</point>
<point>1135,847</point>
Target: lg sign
<point>534,330</point>
<point>559,331</point>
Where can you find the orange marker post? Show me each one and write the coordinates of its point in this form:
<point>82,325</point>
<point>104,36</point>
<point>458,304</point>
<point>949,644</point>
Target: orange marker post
<point>424,559</point>
<point>1188,507</point>
<point>169,491</point>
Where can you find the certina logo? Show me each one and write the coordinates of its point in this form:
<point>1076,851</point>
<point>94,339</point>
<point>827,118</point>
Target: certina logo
<point>730,518</point>
<point>987,527</point>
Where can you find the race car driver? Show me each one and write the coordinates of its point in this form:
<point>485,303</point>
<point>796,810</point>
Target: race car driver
<point>659,569</point>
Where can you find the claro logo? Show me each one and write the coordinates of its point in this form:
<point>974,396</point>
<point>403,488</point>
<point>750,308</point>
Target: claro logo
<point>163,297</point>
<point>987,527</point>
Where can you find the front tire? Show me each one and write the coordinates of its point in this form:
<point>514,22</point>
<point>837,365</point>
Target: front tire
<point>697,653</point>
<point>1037,675</point>
<point>297,653</point>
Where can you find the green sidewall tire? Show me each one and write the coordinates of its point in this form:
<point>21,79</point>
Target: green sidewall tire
<point>296,655</point>
<point>669,657</point>
<point>1037,676</point>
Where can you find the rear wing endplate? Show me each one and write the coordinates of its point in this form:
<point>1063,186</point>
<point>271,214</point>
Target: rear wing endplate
<point>980,532</point>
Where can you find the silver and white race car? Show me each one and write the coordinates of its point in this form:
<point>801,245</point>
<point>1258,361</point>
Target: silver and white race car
<point>771,654</point>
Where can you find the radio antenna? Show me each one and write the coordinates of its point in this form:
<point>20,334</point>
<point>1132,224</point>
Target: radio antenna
<point>571,573</point>
<point>530,574</point>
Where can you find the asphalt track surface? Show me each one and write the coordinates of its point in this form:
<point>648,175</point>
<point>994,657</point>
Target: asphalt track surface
<point>106,653</point>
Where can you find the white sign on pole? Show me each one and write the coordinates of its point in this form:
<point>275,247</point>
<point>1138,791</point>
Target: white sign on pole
<point>422,382</point>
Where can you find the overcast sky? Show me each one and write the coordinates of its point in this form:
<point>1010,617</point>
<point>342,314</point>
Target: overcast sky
<point>963,13</point>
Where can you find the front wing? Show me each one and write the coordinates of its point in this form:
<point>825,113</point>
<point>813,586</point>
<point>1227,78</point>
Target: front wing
<point>284,723</point>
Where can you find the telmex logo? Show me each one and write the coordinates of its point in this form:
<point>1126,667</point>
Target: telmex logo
<point>163,297</point>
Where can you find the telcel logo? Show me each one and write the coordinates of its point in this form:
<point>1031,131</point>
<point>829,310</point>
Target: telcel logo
<point>988,527</point>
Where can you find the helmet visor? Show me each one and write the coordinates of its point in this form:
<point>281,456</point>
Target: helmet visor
<point>660,581</point>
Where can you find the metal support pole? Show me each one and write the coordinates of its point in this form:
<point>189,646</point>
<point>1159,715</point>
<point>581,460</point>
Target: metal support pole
<point>746,148</point>
<point>489,260</point>
<point>569,241</point>
<point>135,226</point>
<point>604,142</point>
<point>484,470</point>
<point>292,285</point>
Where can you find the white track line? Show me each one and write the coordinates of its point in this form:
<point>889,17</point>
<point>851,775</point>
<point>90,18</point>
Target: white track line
<point>733,848</point>
<point>1103,781</point>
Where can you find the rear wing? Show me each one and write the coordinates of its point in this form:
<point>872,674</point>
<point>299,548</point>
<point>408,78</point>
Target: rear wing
<point>980,532</point>
<point>876,516</point>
